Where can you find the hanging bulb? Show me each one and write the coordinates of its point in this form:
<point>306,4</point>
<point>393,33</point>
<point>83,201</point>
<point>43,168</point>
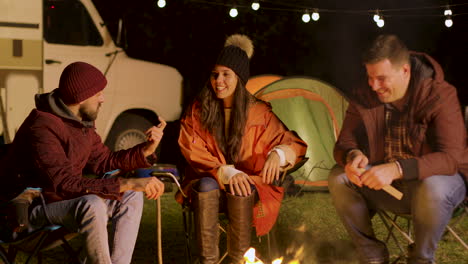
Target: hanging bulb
<point>161,3</point>
<point>306,17</point>
<point>448,22</point>
<point>447,12</point>
<point>380,22</point>
<point>233,12</point>
<point>376,16</point>
<point>315,15</point>
<point>255,5</point>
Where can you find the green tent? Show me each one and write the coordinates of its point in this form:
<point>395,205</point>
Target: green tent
<point>315,110</point>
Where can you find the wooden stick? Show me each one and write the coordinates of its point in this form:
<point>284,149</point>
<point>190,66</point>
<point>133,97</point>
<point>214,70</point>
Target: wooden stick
<point>388,188</point>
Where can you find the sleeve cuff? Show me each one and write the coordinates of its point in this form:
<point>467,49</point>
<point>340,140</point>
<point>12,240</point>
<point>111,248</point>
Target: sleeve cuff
<point>410,169</point>
<point>281,155</point>
<point>226,172</point>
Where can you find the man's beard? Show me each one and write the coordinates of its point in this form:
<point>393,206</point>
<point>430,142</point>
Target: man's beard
<point>88,114</point>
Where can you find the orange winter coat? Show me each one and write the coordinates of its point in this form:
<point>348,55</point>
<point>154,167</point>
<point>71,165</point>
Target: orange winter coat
<point>263,131</point>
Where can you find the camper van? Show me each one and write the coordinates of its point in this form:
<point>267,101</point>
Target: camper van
<point>39,38</point>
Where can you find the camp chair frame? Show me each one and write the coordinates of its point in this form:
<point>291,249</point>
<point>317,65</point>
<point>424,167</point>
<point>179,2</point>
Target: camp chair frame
<point>33,243</point>
<point>390,222</point>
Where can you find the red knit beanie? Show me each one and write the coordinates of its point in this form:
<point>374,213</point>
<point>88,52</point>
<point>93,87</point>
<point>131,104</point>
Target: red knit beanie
<point>79,81</point>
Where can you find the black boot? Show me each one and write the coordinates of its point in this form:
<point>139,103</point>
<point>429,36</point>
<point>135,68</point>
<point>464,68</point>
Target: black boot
<point>240,214</point>
<point>206,209</point>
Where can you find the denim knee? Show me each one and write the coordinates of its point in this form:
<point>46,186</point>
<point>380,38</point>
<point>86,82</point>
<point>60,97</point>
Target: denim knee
<point>206,184</point>
<point>441,190</point>
<point>94,207</point>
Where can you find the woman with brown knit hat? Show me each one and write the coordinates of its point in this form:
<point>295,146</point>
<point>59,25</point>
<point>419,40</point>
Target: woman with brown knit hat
<point>235,147</point>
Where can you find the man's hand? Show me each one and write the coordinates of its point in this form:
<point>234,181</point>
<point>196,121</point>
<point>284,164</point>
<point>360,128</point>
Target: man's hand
<point>380,175</point>
<point>356,161</point>
<point>153,137</point>
<point>240,184</point>
<point>271,168</point>
<point>152,186</point>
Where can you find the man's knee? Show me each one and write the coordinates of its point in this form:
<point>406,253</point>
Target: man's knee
<point>92,205</point>
<point>336,178</point>
<point>132,202</point>
<point>440,190</point>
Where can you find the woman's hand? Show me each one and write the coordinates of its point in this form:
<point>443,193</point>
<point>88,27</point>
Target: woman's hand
<point>240,183</point>
<point>271,169</point>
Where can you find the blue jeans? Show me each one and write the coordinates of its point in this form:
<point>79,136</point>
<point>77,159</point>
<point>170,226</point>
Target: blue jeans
<point>89,215</point>
<point>430,202</point>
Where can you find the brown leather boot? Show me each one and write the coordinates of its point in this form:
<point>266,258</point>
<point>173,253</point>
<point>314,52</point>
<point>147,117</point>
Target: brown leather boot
<point>240,215</point>
<point>206,209</point>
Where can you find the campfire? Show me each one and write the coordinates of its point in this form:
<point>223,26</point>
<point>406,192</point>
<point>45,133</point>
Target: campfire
<point>251,258</point>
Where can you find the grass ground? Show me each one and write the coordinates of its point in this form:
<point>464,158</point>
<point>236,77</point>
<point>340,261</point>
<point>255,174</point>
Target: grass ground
<point>308,229</point>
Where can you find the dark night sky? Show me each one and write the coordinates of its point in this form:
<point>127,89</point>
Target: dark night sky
<point>188,36</point>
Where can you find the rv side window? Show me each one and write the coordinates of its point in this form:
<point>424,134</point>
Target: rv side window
<point>68,22</point>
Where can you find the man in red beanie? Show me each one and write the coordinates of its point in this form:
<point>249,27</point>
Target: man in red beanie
<point>57,142</point>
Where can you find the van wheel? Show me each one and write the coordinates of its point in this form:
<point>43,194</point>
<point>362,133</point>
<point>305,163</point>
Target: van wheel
<point>127,131</point>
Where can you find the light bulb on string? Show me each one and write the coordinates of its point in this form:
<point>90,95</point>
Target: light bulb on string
<point>161,3</point>
<point>233,12</point>
<point>315,15</point>
<point>255,5</point>
<point>448,11</point>
<point>306,17</point>
<point>376,16</point>
<point>380,22</point>
<point>448,21</point>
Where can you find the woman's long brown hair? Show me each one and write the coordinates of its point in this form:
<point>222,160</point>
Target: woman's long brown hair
<point>212,118</point>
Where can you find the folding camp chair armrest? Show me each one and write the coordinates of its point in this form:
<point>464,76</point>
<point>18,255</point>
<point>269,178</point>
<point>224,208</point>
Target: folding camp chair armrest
<point>171,176</point>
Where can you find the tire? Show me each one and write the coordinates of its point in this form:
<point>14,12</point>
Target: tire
<point>127,131</point>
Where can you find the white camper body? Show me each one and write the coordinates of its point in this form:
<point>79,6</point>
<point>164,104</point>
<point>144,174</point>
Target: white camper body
<point>39,38</point>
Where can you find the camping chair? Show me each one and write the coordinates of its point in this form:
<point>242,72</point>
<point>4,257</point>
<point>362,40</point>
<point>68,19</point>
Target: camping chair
<point>16,237</point>
<point>188,220</point>
<point>390,222</point>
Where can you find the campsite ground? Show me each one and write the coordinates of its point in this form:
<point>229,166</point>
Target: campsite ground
<point>307,225</point>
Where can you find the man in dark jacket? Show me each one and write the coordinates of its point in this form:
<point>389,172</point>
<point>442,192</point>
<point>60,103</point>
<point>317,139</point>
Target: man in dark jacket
<point>407,130</point>
<point>53,147</point>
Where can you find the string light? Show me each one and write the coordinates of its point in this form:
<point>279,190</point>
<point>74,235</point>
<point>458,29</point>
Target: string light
<point>315,15</point>
<point>448,17</point>
<point>447,12</point>
<point>161,3</point>
<point>255,5</point>
<point>233,12</point>
<point>376,16</point>
<point>448,21</point>
<point>380,22</point>
<point>306,17</point>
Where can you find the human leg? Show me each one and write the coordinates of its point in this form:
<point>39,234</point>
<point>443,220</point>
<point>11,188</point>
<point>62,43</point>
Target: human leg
<point>87,215</point>
<point>125,216</point>
<point>434,200</point>
<point>355,213</point>
<point>205,203</point>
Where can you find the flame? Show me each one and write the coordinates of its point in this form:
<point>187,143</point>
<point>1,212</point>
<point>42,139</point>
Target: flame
<point>277,261</point>
<point>250,258</point>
